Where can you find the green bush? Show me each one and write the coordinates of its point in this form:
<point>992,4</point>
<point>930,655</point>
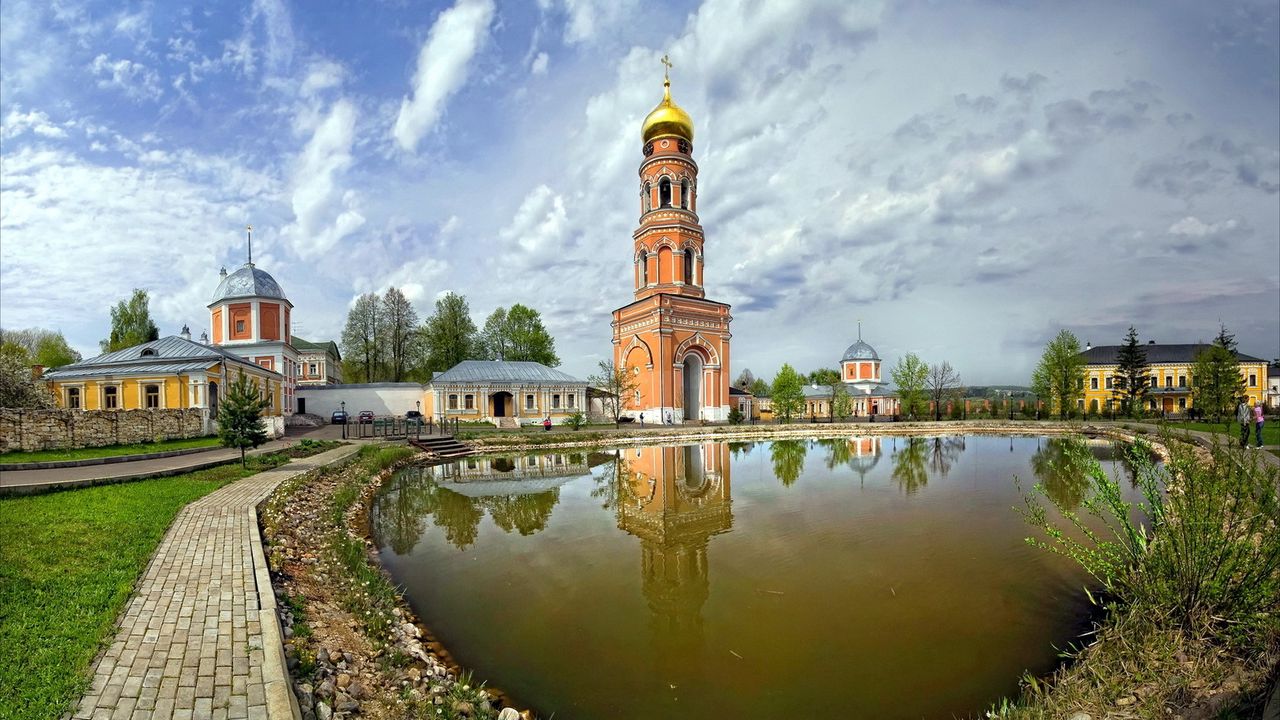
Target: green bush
<point>1204,547</point>
<point>577,420</point>
<point>735,416</point>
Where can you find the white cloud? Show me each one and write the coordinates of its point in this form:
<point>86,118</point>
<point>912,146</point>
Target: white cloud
<point>1192,226</point>
<point>323,214</point>
<point>540,225</point>
<point>133,79</point>
<point>16,123</point>
<point>443,64</point>
<point>539,64</point>
<point>322,75</point>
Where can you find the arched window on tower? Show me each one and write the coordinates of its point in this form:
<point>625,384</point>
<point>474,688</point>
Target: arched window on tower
<point>664,193</point>
<point>688,267</point>
<point>648,197</point>
<point>644,269</point>
<point>684,194</point>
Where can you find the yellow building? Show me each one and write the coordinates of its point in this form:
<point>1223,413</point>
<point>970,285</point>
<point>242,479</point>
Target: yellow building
<point>172,372</point>
<point>1169,369</point>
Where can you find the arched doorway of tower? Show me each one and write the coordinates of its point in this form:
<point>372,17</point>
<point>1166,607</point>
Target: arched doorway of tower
<point>502,404</point>
<point>692,376</point>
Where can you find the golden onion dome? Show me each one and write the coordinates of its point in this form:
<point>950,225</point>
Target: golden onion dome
<point>667,118</point>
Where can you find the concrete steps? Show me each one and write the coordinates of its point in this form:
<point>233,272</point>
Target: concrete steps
<point>442,447</point>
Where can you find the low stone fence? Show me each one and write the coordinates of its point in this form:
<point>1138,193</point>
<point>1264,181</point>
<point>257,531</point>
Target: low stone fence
<point>66,429</point>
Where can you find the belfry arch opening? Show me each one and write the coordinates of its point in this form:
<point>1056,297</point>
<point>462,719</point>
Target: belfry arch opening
<point>664,193</point>
<point>684,194</point>
<point>688,267</point>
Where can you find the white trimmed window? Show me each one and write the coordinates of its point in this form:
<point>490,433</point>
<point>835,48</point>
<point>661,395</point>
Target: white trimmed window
<point>151,396</point>
<point>471,402</point>
<point>73,398</point>
<point>110,397</point>
<point>453,402</point>
<point>528,402</point>
<point>555,401</point>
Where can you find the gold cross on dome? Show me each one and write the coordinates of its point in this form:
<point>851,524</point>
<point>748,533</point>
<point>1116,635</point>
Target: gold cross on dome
<point>666,71</point>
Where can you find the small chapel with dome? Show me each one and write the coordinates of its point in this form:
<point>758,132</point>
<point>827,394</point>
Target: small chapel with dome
<point>249,315</point>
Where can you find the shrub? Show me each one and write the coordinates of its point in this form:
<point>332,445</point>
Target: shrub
<point>577,420</point>
<point>1211,557</point>
<point>735,416</point>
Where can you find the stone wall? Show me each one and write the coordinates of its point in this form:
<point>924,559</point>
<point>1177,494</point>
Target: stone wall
<point>64,429</point>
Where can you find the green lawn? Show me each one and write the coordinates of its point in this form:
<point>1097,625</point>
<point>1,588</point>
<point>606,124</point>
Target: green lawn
<point>68,562</point>
<point>107,451</point>
<point>1270,430</point>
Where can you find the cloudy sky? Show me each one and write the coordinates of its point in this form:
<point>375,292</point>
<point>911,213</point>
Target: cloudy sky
<point>965,177</point>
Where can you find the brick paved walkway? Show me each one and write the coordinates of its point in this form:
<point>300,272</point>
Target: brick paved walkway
<point>199,638</point>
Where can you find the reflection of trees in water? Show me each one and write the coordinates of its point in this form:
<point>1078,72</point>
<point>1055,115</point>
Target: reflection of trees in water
<point>525,513</point>
<point>416,496</point>
<point>945,452</point>
<point>738,449</point>
<point>399,520</point>
<point>838,452</point>
<point>788,460</point>
<point>1058,464</point>
<point>909,465</point>
<point>612,486</point>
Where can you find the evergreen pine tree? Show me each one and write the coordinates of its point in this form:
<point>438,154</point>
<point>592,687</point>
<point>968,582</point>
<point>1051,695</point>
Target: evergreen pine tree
<point>1130,381</point>
<point>1216,382</point>
<point>240,416</point>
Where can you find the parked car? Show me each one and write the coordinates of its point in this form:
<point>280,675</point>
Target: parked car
<point>413,416</point>
<point>366,416</point>
<point>339,417</point>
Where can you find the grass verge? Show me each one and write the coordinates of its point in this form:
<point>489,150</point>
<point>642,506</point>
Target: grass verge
<point>1231,430</point>
<point>1192,591</point>
<point>107,451</point>
<point>68,563</point>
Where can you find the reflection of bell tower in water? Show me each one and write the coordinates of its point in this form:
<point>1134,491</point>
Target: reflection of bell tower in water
<point>676,499</point>
<point>671,338</point>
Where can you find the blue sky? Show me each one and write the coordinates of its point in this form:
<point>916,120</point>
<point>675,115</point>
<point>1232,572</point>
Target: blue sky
<point>965,177</point>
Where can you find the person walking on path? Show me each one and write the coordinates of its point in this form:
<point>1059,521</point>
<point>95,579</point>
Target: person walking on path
<point>546,423</point>
<point>1257,422</point>
<point>1244,416</point>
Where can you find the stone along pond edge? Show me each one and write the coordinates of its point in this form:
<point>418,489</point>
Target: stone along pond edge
<point>350,641</point>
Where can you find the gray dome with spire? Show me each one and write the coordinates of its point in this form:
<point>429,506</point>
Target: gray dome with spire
<point>860,351</point>
<point>248,282</point>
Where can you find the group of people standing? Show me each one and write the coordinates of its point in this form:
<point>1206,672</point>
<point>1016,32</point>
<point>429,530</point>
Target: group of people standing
<point>1249,416</point>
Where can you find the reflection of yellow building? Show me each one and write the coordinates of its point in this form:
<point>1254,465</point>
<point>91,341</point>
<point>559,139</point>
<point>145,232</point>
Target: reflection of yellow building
<point>1170,377</point>
<point>675,499</point>
<point>172,372</point>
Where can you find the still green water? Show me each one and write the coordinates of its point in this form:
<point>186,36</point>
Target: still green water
<point>872,577</point>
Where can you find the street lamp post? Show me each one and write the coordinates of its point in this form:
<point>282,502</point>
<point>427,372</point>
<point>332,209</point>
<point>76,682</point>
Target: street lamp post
<point>344,419</point>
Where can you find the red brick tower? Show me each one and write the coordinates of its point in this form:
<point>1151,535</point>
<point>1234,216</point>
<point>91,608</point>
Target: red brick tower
<point>671,338</point>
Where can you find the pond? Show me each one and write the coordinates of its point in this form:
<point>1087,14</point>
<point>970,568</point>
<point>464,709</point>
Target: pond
<point>870,577</point>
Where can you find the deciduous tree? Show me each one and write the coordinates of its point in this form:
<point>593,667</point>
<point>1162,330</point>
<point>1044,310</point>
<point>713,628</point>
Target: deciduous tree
<point>760,387</point>
<point>788,393</point>
<point>131,323</point>
<point>528,339</point>
<point>361,338</point>
<point>399,332</point>
<point>450,334</point>
<point>824,376</point>
<point>240,415</point>
<point>944,384</point>
<point>910,376</point>
<point>1059,377</point>
<point>618,384</point>
<point>46,348</point>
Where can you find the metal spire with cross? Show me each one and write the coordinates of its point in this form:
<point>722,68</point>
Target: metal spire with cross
<point>666,71</point>
<point>248,229</point>
<point>859,329</point>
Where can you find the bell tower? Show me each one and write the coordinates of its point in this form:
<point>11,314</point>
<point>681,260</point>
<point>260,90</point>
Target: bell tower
<point>672,338</point>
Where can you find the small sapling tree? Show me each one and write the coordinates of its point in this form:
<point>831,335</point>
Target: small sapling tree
<point>240,416</point>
